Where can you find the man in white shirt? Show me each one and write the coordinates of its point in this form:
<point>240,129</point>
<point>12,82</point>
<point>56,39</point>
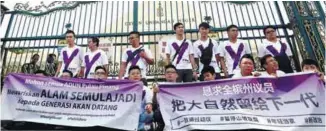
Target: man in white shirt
<point>135,55</point>
<point>71,56</point>
<point>269,63</point>
<point>180,53</point>
<point>281,50</point>
<point>247,66</point>
<point>206,51</point>
<point>95,57</point>
<point>231,51</point>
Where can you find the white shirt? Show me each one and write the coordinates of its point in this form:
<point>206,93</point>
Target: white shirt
<point>149,94</point>
<point>198,53</point>
<point>237,74</point>
<point>184,62</point>
<point>229,60</point>
<point>141,62</point>
<point>101,61</point>
<point>264,51</point>
<point>278,73</point>
<point>76,62</point>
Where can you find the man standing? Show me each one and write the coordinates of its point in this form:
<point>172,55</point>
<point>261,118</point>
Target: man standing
<point>231,51</point>
<point>277,48</point>
<point>136,55</point>
<point>180,53</point>
<point>95,57</point>
<point>32,67</point>
<point>206,51</point>
<point>71,56</point>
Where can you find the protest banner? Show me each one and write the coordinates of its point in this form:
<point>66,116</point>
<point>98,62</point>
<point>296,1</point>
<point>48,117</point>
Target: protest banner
<point>292,102</point>
<point>73,102</point>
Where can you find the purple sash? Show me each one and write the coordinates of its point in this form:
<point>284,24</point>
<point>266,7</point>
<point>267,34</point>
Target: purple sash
<point>133,60</point>
<point>271,49</point>
<point>67,60</point>
<point>182,50</point>
<point>89,64</point>
<point>235,56</point>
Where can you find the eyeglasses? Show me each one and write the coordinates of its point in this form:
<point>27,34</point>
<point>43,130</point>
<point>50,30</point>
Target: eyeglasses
<point>69,36</point>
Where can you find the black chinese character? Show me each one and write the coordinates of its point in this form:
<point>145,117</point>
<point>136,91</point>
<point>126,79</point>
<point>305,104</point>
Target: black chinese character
<point>244,103</point>
<point>275,102</point>
<point>191,119</point>
<point>227,118</point>
<point>239,118</point>
<point>222,118</point>
<point>202,119</point>
<point>179,104</point>
<point>193,104</point>
<point>255,119</point>
<point>186,120</point>
<point>228,104</point>
<point>249,118</point>
<point>269,121</point>
<point>210,104</point>
<point>232,118</point>
<point>244,118</point>
<point>274,121</point>
<point>286,121</point>
<point>208,119</point>
<point>279,121</point>
<point>260,103</point>
<point>291,120</point>
<point>309,96</point>
<point>179,122</point>
<point>196,119</point>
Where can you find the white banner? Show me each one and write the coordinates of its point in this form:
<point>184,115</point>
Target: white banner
<point>73,102</point>
<point>294,102</point>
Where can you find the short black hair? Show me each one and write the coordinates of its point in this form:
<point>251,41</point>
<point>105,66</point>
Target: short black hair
<point>231,26</point>
<point>209,69</point>
<point>270,26</point>
<point>100,67</point>
<point>170,66</point>
<point>248,56</point>
<point>35,55</point>
<point>41,71</point>
<point>263,60</point>
<point>134,67</point>
<point>204,24</point>
<point>69,72</point>
<point>52,55</point>
<point>70,31</point>
<point>95,40</point>
<point>176,25</point>
<point>135,32</point>
<point>309,62</point>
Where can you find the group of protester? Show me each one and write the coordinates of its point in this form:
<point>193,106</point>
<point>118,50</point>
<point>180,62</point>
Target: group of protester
<point>184,61</point>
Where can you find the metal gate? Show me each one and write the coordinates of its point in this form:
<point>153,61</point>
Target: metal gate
<point>40,29</point>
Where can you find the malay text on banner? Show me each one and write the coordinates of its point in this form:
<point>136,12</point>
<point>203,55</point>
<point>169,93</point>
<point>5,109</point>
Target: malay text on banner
<point>73,102</point>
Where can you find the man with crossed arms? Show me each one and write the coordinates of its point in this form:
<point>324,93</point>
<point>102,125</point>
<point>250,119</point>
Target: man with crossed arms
<point>135,55</point>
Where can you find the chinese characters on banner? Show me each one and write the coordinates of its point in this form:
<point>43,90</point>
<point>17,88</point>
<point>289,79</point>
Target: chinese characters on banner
<point>294,102</point>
